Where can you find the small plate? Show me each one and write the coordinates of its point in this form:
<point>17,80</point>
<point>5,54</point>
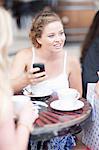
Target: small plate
<point>48,93</point>
<point>57,105</point>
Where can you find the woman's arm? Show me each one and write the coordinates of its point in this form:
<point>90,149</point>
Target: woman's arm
<point>18,73</point>
<point>25,125</point>
<point>7,126</point>
<point>75,79</point>
<point>8,136</point>
<point>21,72</point>
<point>14,138</point>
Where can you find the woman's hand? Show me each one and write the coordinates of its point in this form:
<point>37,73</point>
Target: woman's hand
<point>97,86</point>
<point>97,89</point>
<point>33,77</point>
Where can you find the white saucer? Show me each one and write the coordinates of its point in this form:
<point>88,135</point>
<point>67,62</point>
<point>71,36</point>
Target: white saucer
<point>48,93</point>
<point>57,105</point>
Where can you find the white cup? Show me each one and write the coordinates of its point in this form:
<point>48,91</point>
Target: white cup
<point>69,96</point>
<point>18,103</point>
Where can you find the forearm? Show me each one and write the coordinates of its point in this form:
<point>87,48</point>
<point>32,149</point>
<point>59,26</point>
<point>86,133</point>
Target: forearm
<point>76,83</point>
<point>18,84</point>
<point>23,132</point>
<point>7,136</point>
<point>13,139</point>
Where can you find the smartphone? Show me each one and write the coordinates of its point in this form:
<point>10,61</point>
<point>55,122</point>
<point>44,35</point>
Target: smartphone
<point>40,65</point>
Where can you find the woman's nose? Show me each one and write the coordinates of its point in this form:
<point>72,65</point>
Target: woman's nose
<point>57,38</point>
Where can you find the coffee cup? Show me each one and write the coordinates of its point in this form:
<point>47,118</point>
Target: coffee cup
<point>18,103</point>
<point>68,96</point>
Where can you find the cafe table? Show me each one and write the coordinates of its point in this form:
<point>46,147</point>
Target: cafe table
<point>52,122</point>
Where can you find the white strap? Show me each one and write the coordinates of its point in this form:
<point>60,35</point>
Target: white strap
<point>65,56</point>
<point>33,57</point>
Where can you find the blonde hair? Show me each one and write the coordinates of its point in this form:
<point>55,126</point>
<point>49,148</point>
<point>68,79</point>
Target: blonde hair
<point>5,29</point>
<point>6,39</point>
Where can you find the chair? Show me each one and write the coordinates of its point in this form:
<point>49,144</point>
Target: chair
<point>91,130</point>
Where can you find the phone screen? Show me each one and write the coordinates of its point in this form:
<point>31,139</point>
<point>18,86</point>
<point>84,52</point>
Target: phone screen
<point>40,65</point>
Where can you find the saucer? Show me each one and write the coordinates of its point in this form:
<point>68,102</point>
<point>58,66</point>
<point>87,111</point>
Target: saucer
<point>39,94</point>
<point>57,105</point>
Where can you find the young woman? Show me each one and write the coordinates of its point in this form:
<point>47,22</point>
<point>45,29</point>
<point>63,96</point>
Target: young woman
<point>11,137</point>
<point>61,71</point>
<point>48,37</point>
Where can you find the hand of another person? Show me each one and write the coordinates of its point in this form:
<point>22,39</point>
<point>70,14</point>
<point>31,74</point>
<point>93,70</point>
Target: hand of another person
<point>34,78</point>
<point>97,86</point>
<point>28,115</point>
<point>97,89</point>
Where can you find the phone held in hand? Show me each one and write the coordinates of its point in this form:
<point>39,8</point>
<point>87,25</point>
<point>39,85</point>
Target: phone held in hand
<point>39,65</point>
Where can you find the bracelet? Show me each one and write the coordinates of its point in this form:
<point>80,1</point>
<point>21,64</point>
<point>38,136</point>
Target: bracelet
<point>30,129</point>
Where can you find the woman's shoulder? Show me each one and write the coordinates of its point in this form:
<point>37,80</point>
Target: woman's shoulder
<point>72,59</point>
<point>73,62</point>
<point>23,56</point>
<point>24,53</point>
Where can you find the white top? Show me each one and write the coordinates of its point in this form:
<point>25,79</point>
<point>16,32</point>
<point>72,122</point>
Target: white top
<point>53,84</point>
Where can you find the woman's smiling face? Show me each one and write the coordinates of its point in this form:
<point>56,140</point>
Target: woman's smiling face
<point>53,37</point>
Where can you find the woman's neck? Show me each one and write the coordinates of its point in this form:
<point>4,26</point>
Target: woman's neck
<point>48,55</point>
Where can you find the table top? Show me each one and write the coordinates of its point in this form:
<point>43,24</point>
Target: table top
<point>51,121</point>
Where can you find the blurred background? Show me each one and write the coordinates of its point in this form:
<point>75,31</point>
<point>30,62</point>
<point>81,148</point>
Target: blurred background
<point>76,15</point>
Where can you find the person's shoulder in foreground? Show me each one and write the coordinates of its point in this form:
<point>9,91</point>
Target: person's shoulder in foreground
<point>90,54</point>
<point>10,135</point>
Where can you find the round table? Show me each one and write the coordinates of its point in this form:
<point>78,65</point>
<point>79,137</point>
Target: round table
<point>51,122</point>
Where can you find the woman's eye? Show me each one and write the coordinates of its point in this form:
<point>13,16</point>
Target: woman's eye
<point>52,35</point>
<point>61,33</point>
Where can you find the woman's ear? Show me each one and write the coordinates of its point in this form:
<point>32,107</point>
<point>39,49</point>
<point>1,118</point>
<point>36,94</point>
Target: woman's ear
<point>39,40</point>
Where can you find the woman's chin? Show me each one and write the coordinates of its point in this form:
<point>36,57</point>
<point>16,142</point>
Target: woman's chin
<point>57,49</point>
